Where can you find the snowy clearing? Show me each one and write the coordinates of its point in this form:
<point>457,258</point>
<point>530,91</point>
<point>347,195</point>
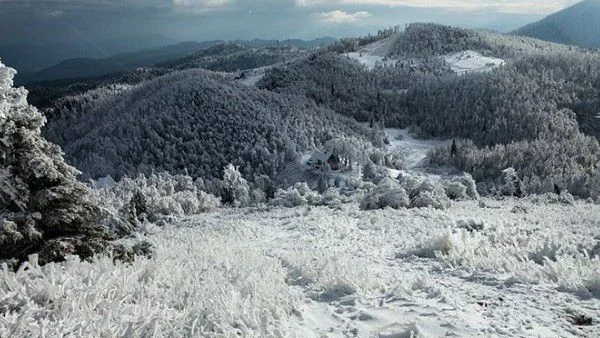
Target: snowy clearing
<point>374,55</point>
<point>251,77</point>
<point>472,62</point>
<point>415,149</point>
<point>524,270</point>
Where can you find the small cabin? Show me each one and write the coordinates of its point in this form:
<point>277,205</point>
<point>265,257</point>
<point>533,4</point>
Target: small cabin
<point>327,160</point>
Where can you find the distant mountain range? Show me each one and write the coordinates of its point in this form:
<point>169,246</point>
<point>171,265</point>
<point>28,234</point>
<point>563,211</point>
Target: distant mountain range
<point>578,25</point>
<point>90,67</point>
<point>31,57</point>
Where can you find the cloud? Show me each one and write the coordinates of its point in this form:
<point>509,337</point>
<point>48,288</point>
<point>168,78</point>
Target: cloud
<point>505,6</point>
<point>339,17</point>
<point>200,3</point>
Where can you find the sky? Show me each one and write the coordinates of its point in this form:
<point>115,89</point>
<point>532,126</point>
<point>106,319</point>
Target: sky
<point>97,21</point>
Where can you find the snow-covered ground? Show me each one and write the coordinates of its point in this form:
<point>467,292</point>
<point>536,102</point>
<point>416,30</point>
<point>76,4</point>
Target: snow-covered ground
<point>253,76</point>
<point>472,62</point>
<point>374,55</point>
<point>320,272</point>
<point>468,61</point>
<point>414,149</point>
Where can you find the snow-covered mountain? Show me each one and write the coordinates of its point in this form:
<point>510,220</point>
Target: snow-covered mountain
<point>190,121</point>
<point>578,25</point>
<point>430,182</point>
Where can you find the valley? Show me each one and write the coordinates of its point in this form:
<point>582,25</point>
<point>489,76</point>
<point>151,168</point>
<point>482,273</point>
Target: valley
<point>421,181</point>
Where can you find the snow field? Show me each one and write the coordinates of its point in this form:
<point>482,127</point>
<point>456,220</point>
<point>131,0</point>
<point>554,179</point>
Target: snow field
<point>514,268</point>
<point>472,62</point>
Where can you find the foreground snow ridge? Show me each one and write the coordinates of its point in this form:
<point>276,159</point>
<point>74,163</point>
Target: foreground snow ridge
<point>512,268</point>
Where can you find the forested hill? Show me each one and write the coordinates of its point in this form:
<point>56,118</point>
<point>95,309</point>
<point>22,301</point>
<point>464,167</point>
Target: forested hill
<point>190,121</point>
<point>231,57</point>
<point>508,101</point>
<point>223,57</point>
<point>534,108</point>
<point>577,25</point>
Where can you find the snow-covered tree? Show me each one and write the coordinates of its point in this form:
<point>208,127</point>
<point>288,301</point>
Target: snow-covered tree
<point>43,207</point>
<point>235,187</point>
<point>513,186</point>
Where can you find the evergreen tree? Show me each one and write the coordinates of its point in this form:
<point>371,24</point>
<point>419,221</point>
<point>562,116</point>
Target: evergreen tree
<point>44,209</point>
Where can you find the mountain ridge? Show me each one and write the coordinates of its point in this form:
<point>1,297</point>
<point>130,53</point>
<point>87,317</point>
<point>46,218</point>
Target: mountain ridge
<point>577,25</point>
<point>84,67</point>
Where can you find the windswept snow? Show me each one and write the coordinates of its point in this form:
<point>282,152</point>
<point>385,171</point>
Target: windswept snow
<point>472,62</point>
<point>319,272</point>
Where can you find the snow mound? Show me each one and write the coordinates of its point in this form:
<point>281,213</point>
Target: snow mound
<point>472,62</point>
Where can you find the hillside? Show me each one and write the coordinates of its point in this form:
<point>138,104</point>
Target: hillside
<point>231,57</point>
<point>578,25</point>
<point>190,121</point>
<point>249,53</point>
<point>503,95</point>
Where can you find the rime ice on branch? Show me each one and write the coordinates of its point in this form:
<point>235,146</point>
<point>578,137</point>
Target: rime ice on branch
<point>43,208</point>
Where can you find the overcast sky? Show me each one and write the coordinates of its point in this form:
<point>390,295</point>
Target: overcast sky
<point>40,21</point>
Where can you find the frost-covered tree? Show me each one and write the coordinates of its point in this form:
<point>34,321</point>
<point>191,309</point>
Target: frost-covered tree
<point>194,122</point>
<point>43,207</point>
<point>513,186</point>
<point>235,187</point>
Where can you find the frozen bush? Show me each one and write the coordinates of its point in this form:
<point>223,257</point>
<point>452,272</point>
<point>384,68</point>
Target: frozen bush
<point>431,247</point>
<point>155,197</point>
<point>470,225</point>
<point>468,181</point>
<point>387,194</point>
<point>549,250</point>
<point>461,188</point>
<point>409,182</point>
<point>429,194</point>
<point>299,194</point>
<point>550,198</point>
<point>455,190</point>
<point>332,198</point>
<point>395,160</point>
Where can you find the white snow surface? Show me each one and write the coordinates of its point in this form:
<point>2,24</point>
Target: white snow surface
<point>472,62</point>
<point>321,272</point>
<point>415,149</point>
<point>374,55</point>
<point>253,76</point>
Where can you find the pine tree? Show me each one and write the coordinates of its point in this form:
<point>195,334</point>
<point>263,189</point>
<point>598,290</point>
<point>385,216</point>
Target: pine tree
<point>44,209</point>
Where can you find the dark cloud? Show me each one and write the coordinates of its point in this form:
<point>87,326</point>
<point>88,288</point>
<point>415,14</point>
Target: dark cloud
<point>36,21</point>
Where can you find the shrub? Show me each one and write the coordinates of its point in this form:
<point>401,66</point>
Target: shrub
<point>388,193</point>
<point>155,197</point>
<point>429,194</point>
<point>299,194</point>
